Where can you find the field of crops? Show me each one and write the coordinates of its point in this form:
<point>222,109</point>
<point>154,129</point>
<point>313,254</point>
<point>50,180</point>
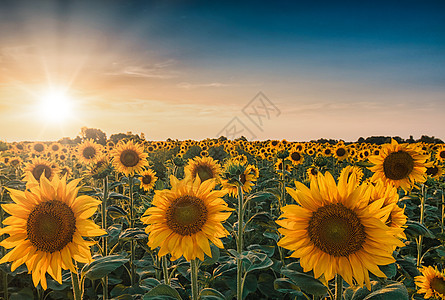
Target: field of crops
<point>221,219</point>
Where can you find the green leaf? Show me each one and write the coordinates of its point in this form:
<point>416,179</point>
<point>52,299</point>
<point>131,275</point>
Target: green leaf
<point>114,195</point>
<point>250,285</point>
<point>266,285</point>
<point>306,282</point>
<point>211,294</point>
<point>256,261</point>
<point>133,233</point>
<point>269,250</point>
<point>208,261</point>
<point>258,196</point>
<point>395,291</point>
<point>284,285</point>
<point>272,235</point>
<point>389,270</point>
<point>116,212</point>
<point>102,266</point>
<point>162,290</point>
<point>415,229</point>
<point>25,293</point>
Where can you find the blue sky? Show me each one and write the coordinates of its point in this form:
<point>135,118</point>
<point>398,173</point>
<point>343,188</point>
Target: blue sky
<point>184,69</point>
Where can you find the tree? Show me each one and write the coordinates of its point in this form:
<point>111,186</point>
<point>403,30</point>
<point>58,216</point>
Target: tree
<point>94,134</point>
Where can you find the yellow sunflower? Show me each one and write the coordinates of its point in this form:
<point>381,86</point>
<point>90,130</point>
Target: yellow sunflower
<point>38,148</point>
<point>46,227</point>
<point>55,147</point>
<point>396,219</point>
<point>249,174</point>
<point>432,170</point>
<point>431,283</point>
<point>148,179</point>
<point>296,157</point>
<point>399,164</point>
<point>204,167</point>
<point>37,167</point>
<point>440,155</point>
<point>312,172</point>
<point>333,230</point>
<point>88,152</point>
<point>349,170</point>
<point>129,158</point>
<point>184,219</point>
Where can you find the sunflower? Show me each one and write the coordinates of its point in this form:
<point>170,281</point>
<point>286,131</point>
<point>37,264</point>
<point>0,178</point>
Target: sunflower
<point>279,165</point>
<point>15,161</point>
<point>184,219</point>
<point>396,219</point>
<point>55,147</point>
<point>46,228</point>
<point>333,230</point>
<point>296,157</point>
<point>38,166</point>
<point>432,170</point>
<point>431,282</point>
<point>204,167</point>
<point>88,152</point>
<point>249,174</point>
<point>312,172</point>
<point>129,158</point>
<point>399,164</point>
<point>38,148</point>
<point>100,168</point>
<point>440,155</point>
<point>349,170</point>
<point>148,179</point>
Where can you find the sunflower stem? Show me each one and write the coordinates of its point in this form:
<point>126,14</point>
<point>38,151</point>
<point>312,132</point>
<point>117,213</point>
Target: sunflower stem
<point>422,215</point>
<point>443,213</point>
<point>165,270</point>
<point>132,250</point>
<point>239,262</point>
<point>104,239</point>
<point>194,277</point>
<point>338,287</point>
<point>76,286</point>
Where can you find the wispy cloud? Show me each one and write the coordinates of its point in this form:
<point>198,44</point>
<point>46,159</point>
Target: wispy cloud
<point>160,70</point>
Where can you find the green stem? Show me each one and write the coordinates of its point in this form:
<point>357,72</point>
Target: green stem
<point>239,262</point>
<point>443,213</point>
<point>133,273</point>
<point>104,239</point>
<point>165,270</point>
<point>194,277</point>
<point>422,215</point>
<point>76,286</point>
<point>338,287</point>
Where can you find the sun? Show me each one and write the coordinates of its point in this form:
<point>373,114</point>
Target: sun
<point>56,105</point>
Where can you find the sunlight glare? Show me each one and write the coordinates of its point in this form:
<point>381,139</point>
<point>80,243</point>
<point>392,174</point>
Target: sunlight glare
<point>55,106</point>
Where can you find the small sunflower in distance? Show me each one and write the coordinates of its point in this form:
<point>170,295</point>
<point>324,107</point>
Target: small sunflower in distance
<point>38,167</point>
<point>46,227</point>
<point>88,152</point>
<point>234,171</point>
<point>148,179</point>
<point>431,283</point>
<point>333,230</point>
<point>204,167</point>
<point>184,219</point>
<point>399,164</point>
<point>129,158</point>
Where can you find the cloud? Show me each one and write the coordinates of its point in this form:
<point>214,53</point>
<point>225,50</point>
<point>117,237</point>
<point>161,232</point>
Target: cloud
<point>187,85</point>
<point>161,70</point>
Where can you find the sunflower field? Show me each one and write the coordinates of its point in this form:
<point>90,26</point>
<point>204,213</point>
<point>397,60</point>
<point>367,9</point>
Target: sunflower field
<point>222,219</point>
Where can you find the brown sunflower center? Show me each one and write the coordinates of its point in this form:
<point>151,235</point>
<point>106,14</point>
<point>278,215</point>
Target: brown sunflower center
<point>129,158</point>
<point>89,152</point>
<point>243,178</point>
<point>295,156</point>
<point>39,170</point>
<point>442,154</point>
<point>146,179</point>
<point>398,165</point>
<point>15,162</point>
<point>432,171</point>
<point>51,226</point>
<point>204,172</point>
<point>55,147</point>
<point>19,146</point>
<point>327,151</point>
<point>438,285</point>
<point>340,152</point>
<point>186,215</point>
<point>314,171</point>
<point>39,147</point>
<point>336,230</point>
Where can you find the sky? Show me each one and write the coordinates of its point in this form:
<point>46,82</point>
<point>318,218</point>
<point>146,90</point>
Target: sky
<point>295,70</point>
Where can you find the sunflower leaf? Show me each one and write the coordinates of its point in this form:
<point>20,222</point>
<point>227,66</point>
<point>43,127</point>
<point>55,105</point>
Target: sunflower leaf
<point>162,290</point>
<point>396,291</point>
<point>306,282</point>
<point>103,266</point>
